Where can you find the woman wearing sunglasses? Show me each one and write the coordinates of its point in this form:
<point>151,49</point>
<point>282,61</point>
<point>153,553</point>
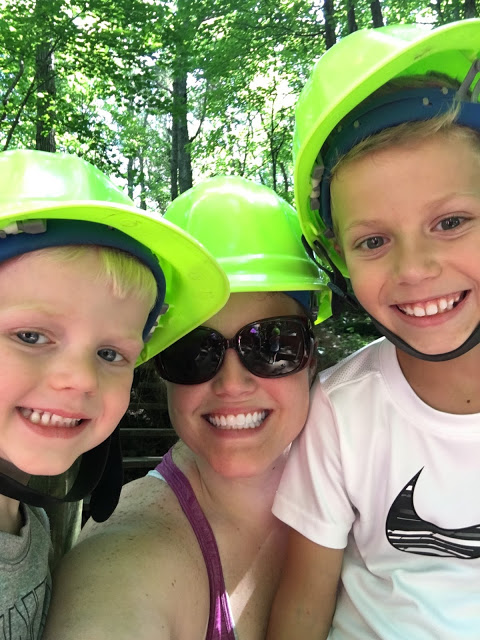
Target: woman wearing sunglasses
<point>193,551</point>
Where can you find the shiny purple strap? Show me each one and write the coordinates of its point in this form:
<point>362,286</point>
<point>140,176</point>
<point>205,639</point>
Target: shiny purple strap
<point>220,623</point>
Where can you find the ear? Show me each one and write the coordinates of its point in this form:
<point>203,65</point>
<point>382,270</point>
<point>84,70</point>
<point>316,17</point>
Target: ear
<point>338,247</point>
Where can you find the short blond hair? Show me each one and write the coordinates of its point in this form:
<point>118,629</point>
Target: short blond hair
<point>122,271</point>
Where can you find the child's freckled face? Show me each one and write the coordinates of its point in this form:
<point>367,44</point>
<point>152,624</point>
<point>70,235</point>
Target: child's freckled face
<point>408,221</point>
<point>68,348</point>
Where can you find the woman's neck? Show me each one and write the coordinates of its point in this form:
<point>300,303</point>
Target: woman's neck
<point>241,499</point>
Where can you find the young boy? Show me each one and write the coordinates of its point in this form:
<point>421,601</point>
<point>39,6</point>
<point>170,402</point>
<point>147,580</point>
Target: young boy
<point>84,276</point>
<point>381,488</point>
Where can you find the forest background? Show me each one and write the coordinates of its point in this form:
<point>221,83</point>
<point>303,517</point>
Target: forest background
<point>160,94</point>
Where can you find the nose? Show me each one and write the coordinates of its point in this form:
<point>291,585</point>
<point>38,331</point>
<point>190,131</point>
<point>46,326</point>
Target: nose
<point>233,378</point>
<point>415,261</point>
<point>73,371</point>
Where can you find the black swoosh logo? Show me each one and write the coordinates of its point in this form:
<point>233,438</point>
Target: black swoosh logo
<point>407,532</point>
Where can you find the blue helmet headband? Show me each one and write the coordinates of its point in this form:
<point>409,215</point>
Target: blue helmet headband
<point>389,110</point>
<point>307,299</point>
<point>100,472</point>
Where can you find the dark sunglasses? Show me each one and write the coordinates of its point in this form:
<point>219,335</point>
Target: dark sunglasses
<point>270,348</point>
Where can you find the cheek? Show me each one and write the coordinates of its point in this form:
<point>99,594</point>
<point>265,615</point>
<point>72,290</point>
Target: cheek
<point>363,282</point>
<point>292,395</point>
<point>181,399</point>
<point>119,394</point>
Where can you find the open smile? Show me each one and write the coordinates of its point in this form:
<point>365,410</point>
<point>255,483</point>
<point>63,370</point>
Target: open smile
<point>432,307</point>
<point>47,419</point>
<point>251,420</point>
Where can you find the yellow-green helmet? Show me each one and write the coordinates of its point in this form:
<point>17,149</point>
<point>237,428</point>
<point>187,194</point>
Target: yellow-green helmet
<point>254,235</point>
<point>49,199</point>
<point>351,71</point>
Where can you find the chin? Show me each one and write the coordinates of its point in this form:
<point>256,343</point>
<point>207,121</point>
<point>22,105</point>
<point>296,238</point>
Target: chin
<point>44,467</point>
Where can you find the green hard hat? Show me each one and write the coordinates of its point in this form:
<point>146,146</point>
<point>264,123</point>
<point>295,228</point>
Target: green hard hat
<point>39,186</point>
<point>254,235</point>
<point>350,72</point>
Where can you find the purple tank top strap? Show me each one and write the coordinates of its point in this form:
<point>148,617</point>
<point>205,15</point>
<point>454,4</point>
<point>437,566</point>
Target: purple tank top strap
<point>220,623</point>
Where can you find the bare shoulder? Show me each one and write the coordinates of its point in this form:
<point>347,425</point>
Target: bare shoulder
<point>134,575</point>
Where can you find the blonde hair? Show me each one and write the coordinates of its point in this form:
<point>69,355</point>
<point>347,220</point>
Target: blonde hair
<point>122,271</point>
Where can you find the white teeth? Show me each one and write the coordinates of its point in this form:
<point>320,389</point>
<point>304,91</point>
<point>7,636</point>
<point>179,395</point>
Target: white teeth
<point>238,421</point>
<point>430,308</point>
<point>48,419</point>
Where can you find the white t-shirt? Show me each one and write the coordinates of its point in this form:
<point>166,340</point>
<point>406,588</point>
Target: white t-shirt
<point>378,471</point>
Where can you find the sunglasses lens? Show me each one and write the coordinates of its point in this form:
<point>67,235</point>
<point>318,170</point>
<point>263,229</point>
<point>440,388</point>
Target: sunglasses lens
<point>274,348</point>
<point>193,359</point>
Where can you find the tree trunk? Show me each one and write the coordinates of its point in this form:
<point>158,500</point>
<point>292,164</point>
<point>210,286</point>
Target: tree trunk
<point>286,185</point>
<point>46,94</point>
<point>143,202</point>
<point>130,178</point>
<point>351,21</point>
<point>376,11</point>
<point>180,114</point>
<point>174,160</point>
<point>470,9</point>
<point>328,12</point>
<point>437,5</point>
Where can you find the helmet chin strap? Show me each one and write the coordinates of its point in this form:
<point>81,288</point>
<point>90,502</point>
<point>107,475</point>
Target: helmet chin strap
<point>469,343</point>
<point>100,474</point>
<point>340,296</point>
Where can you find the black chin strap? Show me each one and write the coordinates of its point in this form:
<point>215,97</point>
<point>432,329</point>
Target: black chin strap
<point>100,474</point>
<point>338,285</point>
<point>470,342</point>
<point>341,295</point>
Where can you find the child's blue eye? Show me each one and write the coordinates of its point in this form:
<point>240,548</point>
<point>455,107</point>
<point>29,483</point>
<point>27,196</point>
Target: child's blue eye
<point>32,337</point>
<point>375,242</point>
<point>110,355</point>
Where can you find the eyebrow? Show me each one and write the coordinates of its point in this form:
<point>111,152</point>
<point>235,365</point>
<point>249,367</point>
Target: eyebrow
<point>363,223</point>
<point>376,222</point>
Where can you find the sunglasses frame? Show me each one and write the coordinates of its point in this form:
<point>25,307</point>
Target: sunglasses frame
<point>234,343</point>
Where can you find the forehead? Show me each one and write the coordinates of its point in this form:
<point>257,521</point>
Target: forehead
<point>40,272</point>
<point>428,170</point>
<point>243,308</point>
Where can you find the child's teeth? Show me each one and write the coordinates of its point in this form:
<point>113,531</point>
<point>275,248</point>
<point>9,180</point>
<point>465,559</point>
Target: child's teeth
<point>418,312</point>
<point>430,308</point>
<point>46,418</point>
